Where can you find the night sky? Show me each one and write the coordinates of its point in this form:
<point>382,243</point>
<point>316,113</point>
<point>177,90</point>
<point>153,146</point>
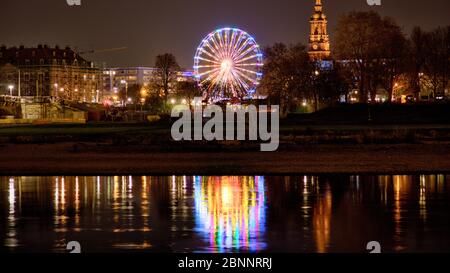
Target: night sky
<point>150,27</point>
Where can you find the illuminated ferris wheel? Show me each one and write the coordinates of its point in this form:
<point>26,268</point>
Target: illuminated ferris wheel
<point>228,64</point>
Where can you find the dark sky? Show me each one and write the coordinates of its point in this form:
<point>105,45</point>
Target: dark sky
<point>149,27</point>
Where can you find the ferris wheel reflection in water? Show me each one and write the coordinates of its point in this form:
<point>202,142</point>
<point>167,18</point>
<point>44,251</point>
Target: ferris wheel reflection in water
<point>230,212</point>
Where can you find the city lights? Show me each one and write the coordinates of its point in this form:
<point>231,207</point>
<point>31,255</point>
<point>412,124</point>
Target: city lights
<point>229,133</point>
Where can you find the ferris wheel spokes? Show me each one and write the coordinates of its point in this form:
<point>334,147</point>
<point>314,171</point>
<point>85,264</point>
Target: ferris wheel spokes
<point>228,62</point>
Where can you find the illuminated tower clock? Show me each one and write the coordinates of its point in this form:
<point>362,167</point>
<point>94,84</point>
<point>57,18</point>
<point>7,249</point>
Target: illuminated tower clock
<point>319,41</point>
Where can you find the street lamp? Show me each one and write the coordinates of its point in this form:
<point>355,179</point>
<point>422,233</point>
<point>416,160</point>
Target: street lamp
<point>56,89</point>
<point>61,93</point>
<point>316,89</point>
<point>11,87</point>
<point>142,103</point>
<point>126,87</point>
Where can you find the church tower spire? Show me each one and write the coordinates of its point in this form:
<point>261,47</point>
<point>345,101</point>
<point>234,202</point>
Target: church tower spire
<point>318,6</point>
<point>319,41</point>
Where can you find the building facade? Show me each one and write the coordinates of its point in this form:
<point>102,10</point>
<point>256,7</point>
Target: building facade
<point>319,40</point>
<point>43,71</point>
<point>132,75</point>
<point>116,79</point>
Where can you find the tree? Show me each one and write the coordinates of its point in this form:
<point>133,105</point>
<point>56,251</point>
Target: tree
<point>155,104</point>
<point>133,92</point>
<point>167,68</point>
<point>287,75</point>
<point>355,37</point>
<point>417,57</point>
<point>438,58</point>
<point>373,47</point>
<point>446,57</point>
<point>392,56</point>
<point>391,59</point>
<point>331,84</point>
<point>188,90</point>
<point>429,60</point>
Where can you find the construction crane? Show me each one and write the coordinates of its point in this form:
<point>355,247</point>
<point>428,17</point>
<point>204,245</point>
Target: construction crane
<point>102,50</point>
<point>93,51</point>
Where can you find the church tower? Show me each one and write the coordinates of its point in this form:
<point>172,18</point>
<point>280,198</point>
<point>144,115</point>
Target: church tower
<point>319,41</point>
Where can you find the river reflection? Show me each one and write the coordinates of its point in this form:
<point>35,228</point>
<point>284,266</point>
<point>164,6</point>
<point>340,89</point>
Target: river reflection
<point>230,212</point>
<point>225,214</point>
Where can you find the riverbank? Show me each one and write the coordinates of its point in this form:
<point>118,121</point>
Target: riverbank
<point>68,158</point>
<point>396,139</point>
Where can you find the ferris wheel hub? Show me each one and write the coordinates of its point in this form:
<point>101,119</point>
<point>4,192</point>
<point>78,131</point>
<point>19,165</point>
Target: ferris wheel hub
<point>226,65</point>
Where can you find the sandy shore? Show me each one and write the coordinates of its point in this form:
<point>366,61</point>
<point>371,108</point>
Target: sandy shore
<point>63,159</point>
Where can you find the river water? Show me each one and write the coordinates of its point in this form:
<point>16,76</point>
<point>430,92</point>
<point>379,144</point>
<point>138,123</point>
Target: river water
<point>225,214</point>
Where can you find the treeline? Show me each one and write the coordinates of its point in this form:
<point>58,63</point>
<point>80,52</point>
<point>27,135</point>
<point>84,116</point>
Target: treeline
<point>369,53</point>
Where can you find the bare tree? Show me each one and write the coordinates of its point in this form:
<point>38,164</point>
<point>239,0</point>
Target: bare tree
<point>287,74</point>
<point>188,90</point>
<point>391,57</point>
<point>437,58</point>
<point>417,53</point>
<point>167,68</point>
<point>429,60</point>
<point>356,35</point>
<point>133,92</point>
<point>331,84</point>
<point>373,48</point>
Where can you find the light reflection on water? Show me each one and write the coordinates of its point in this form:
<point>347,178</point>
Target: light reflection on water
<point>230,212</point>
<point>225,214</point>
